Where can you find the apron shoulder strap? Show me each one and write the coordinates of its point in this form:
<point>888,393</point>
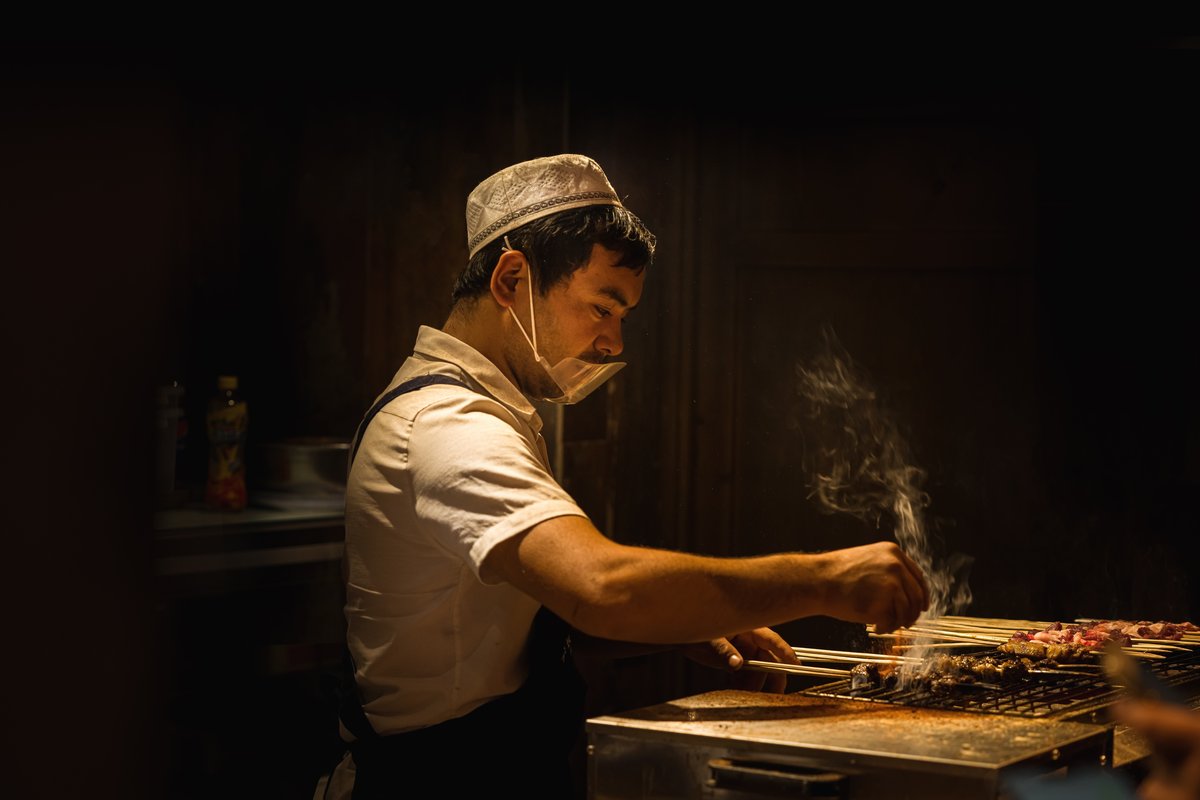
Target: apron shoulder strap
<point>407,386</point>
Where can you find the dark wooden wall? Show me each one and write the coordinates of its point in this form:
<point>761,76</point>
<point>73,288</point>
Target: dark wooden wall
<point>1006,246</point>
<point>1004,250</point>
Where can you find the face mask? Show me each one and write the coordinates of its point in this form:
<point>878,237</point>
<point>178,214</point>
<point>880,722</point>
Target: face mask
<point>574,377</point>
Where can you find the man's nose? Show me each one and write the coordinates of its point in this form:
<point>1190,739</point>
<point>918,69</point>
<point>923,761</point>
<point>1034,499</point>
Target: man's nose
<point>610,343</point>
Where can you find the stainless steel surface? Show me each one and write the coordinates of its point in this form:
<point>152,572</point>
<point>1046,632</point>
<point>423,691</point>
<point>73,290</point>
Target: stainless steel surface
<point>883,750</point>
<point>195,542</point>
<point>830,740</point>
<point>249,559</point>
<point>302,465</point>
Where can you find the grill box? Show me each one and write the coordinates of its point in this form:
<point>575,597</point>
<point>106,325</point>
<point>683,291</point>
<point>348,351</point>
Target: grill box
<point>734,744</point>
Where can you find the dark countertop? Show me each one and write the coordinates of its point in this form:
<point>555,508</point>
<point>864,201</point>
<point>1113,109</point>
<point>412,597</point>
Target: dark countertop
<point>199,540</point>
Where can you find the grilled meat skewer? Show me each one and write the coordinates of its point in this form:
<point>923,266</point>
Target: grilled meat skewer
<point>943,673</point>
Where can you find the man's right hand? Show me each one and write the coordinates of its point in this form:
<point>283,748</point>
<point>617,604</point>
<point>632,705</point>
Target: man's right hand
<point>874,583</point>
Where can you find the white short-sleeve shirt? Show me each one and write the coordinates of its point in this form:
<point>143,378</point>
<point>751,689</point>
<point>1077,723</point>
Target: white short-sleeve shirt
<point>442,475</point>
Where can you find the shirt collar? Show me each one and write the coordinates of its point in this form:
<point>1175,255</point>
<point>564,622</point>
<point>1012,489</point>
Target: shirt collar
<point>438,345</point>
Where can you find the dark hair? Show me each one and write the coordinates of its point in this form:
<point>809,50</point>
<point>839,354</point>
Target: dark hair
<point>559,244</point>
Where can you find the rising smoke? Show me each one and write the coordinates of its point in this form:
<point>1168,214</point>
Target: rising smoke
<point>862,466</point>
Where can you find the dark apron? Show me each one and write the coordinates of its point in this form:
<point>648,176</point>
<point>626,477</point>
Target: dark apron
<point>519,743</point>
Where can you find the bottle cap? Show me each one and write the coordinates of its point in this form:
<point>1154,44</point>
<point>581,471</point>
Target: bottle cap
<point>170,395</point>
<point>227,382</point>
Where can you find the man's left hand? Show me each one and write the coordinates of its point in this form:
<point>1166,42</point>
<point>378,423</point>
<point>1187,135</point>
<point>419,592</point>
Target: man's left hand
<point>731,654</point>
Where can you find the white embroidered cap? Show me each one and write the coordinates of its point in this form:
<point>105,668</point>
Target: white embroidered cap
<point>532,189</point>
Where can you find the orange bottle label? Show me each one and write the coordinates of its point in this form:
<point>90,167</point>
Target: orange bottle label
<point>226,488</point>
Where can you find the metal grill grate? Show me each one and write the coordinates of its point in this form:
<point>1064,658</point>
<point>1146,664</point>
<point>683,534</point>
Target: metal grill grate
<point>1036,696</point>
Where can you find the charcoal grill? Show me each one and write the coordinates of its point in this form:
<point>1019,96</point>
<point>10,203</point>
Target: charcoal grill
<point>832,741</point>
<point>1065,696</point>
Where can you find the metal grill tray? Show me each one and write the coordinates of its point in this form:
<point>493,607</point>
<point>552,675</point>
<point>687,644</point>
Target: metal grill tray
<point>1037,696</point>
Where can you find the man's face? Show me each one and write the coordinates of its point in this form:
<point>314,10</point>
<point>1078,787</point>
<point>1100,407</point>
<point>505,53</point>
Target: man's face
<point>580,317</point>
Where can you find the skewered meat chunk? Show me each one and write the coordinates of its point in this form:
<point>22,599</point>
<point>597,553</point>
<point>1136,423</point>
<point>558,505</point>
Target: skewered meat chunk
<point>1058,653</point>
<point>870,676</point>
<point>864,676</point>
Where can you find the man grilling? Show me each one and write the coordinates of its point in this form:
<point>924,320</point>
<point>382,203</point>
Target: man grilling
<point>472,576</point>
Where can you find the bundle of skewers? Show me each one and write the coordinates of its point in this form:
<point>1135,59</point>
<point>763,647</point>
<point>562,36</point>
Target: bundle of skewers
<point>936,673</point>
<point>1015,649</point>
<point>1074,643</point>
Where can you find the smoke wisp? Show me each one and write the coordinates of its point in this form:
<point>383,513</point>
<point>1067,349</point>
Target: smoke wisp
<point>861,465</point>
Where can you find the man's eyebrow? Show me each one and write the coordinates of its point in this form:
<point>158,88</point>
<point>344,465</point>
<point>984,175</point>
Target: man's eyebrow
<point>615,294</point>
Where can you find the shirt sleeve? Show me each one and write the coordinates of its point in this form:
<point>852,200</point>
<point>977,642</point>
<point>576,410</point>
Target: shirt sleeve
<point>477,480</point>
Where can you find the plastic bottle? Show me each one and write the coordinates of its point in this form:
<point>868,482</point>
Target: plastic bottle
<point>227,421</point>
<point>170,436</point>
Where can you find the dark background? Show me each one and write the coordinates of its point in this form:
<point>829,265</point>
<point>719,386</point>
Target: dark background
<point>1003,238</point>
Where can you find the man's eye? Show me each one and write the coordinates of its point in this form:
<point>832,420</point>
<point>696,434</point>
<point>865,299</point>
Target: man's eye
<point>602,311</point>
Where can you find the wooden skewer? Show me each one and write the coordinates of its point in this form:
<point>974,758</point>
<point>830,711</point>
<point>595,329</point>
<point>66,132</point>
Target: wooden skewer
<point>944,634</point>
<point>1162,644</point>
<point>809,652</point>
<point>1137,639</point>
<point>811,657</point>
<point>1080,665</point>
<point>938,645</point>
<point>1074,665</point>
<point>1090,620</point>
<point>973,623</point>
<point>971,639</point>
<point>924,633</point>
<point>1143,644</point>
<point>996,623</point>
<point>821,650</point>
<point>980,629</point>
<point>908,637</point>
<point>1007,623</point>
<point>984,625</point>
<point>794,669</point>
<point>972,644</point>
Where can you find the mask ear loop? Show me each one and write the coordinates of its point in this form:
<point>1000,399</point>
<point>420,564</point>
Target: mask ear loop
<point>532,317</point>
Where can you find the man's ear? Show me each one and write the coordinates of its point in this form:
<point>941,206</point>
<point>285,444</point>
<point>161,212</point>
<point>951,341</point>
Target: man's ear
<point>511,268</point>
